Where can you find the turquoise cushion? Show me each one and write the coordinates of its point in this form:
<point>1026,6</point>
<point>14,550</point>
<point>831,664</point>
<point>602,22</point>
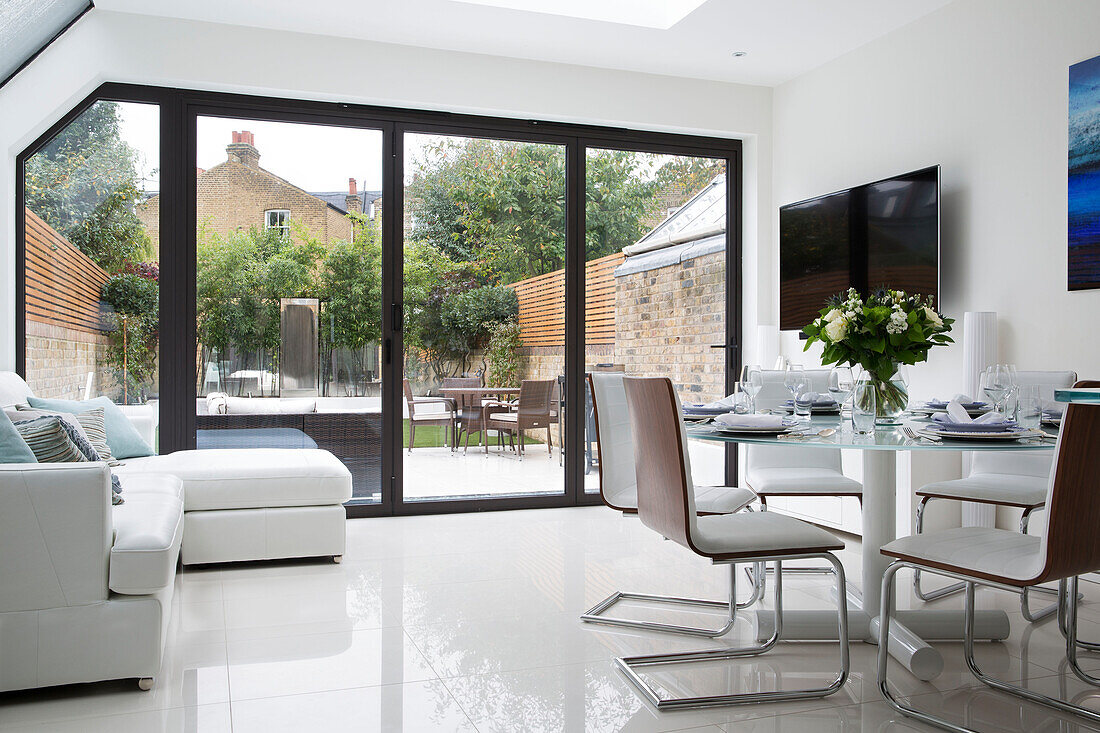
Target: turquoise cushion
<point>122,436</point>
<point>13,449</point>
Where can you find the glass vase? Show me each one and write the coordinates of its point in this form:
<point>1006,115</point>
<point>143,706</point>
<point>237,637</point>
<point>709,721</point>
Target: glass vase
<point>891,397</point>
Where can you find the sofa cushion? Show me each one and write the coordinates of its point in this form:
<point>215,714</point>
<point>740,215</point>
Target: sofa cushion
<point>13,390</point>
<point>122,437</point>
<point>250,478</point>
<point>153,483</point>
<point>13,449</point>
<point>148,531</point>
<point>47,437</point>
<point>267,406</point>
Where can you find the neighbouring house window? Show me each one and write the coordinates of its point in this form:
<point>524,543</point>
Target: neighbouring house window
<point>279,220</point>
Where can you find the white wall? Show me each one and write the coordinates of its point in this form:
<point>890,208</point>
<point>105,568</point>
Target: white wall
<point>979,87</point>
<point>107,46</point>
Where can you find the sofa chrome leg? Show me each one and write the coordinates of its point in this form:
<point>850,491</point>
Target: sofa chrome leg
<point>337,559</point>
<point>145,683</point>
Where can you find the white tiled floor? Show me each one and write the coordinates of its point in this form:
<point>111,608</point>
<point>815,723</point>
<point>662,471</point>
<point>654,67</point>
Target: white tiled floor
<point>469,623</point>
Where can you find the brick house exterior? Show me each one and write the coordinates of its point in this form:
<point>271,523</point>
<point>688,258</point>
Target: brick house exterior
<point>235,196</point>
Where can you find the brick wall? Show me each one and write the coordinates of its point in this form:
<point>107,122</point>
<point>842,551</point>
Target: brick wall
<point>59,359</point>
<point>667,318</point>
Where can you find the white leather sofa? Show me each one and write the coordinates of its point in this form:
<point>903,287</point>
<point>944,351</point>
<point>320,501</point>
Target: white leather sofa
<point>85,587</point>
<point>241,504</point>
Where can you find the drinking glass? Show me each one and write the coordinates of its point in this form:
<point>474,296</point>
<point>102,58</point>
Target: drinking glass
<point>742,401</point>
<point>841,384</point>
<point>863,407</point>
<point>996,381</point>
<point>803,403</point>
<point>1030,406</point>
<point>752,381</point>
<point>794,380</point>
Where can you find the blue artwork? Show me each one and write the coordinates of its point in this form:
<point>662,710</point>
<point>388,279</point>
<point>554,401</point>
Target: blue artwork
<point>1084,175</point>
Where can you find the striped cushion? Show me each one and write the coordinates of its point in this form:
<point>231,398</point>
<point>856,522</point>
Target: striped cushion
<point>96,429</point>
<point>49,441</point>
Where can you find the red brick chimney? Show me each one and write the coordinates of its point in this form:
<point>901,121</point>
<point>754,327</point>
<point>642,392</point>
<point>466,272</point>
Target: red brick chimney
<point>352,202</point>
<point>242,149</point>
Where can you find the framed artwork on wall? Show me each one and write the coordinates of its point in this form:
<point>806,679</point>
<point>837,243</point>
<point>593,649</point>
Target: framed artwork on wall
<point>1084,175</point>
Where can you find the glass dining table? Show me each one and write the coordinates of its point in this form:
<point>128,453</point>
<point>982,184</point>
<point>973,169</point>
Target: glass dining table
<point>908,634</point>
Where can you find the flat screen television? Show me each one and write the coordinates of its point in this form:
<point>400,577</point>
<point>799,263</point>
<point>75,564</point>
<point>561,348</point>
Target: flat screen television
<point>881,234</point>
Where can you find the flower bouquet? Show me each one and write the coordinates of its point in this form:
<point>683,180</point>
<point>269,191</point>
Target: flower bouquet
<point>887,329</point>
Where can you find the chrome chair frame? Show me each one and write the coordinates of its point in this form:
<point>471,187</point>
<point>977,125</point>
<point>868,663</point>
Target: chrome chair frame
<point>947,590</point>
<point>631,665</point>
<point>1070,602</point>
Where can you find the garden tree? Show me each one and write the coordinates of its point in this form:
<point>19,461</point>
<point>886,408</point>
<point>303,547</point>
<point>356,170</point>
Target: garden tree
<point>501,205</point>
<point>85,184</point>
<point>467,318</point>
<point>688,174</point>
<point>350,286</point>
<point>132,349</point>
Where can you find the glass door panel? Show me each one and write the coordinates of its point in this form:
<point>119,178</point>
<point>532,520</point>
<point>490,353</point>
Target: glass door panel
<point>655,282</point>
<point>288,291</point>
<point>91,248</point>
<point>484,318</point>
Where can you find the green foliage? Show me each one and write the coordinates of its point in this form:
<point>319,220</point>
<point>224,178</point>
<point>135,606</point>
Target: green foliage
<point>467,316</point>
<point>889,328</point>
<point>503,352</point>
<point>132,295</point>
<point>84,183</point>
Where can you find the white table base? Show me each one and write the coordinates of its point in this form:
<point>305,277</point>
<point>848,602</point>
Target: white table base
<point>909,632</point>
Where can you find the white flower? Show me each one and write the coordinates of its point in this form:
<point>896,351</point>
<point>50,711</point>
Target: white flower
<point>833,315</point>
<point>898,322</point>
<point>932,316</point>
<point>837,330</point>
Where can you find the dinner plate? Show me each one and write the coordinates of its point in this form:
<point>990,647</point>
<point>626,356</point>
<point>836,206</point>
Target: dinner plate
<point>972,411</point>
<point>832,409</point>
<point>763,430</point>
<point>1013,434</point>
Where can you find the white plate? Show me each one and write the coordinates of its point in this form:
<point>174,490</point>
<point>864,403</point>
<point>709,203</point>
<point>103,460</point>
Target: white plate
<point>814,410</point>
<point>972,411</point>
<point>759,429</point>
<point>974,435</point>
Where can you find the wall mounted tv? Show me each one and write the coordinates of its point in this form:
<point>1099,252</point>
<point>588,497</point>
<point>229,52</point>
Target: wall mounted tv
<point>881,234</point>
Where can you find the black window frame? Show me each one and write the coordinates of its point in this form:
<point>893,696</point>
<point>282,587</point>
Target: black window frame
<point>179,109</point>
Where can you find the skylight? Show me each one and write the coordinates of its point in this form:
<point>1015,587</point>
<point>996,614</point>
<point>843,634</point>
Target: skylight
<point>661,14</point>
<point>28,26</point>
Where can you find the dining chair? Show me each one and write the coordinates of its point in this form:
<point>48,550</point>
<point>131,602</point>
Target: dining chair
<point>619,491</point>
<point>1010,560</point>
<point>530,412</point>
<point>444,419</point>
<point>469,417</point>
<point>790,471</point>
<point>666,504</point>
<point>1004,479</point>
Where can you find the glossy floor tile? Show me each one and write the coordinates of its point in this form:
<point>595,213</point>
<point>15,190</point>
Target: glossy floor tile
<point>470,622</point>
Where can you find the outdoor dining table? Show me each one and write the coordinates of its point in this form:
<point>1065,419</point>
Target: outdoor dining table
<point>879,515</point>
<point>480,392</point>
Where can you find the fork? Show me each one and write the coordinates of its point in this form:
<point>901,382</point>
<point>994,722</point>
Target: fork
<point>914,435</point>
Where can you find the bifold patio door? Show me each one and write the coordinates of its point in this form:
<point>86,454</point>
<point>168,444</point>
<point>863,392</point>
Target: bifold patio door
<point>419,293</point>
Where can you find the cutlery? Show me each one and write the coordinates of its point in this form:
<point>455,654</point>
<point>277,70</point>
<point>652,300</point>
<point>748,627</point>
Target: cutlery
<point>914,435</point>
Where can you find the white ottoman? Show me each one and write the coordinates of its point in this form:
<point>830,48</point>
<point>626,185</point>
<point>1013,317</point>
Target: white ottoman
<point>256,504</point>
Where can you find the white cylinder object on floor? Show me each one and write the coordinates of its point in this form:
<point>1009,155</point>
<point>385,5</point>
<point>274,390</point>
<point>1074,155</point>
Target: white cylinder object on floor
<point>979,352</point>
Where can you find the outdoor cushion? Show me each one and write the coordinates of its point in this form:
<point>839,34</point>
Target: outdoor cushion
<point>122,437</point>
<point>13,449</point>
<point>247,479</point>
<point>148,531</point>
<point>269,405</point>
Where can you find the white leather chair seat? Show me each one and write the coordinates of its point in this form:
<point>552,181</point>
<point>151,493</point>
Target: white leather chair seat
<point>998,553</point>
<point>722,499</point>
<point>148,529</point>
<point>251,478</point>
<point>802,481</point>
<point>151,483</point>
<point>992,488</point>
<point>760,533</point>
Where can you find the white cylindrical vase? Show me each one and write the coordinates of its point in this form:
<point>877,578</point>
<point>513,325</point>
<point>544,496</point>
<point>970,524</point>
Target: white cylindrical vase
<point>979,352</point>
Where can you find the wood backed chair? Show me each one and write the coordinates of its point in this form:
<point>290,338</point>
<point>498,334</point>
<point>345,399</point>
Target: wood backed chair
<point>1010,560</point>
<point>619,490</point>
<point>1005,479</point>
<point>666,504</point>
<point>444,419</point>
<point>469,417</point>
<point>532,411</point>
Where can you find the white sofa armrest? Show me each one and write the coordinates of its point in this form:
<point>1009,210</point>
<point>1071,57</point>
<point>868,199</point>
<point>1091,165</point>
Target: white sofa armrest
<point>145,419</point>
<point>55,534</point>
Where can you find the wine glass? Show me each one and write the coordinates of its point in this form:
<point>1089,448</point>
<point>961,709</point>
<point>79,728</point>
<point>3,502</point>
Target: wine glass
<point>795,381</point>
<point>996,382</point>
<point>841,384</point>
<point>752,381</point>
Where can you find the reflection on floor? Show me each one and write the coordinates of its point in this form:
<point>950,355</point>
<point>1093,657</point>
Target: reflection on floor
<point>469,622</point>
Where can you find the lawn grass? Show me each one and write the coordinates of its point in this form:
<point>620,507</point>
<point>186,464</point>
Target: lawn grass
<point>431,436</point>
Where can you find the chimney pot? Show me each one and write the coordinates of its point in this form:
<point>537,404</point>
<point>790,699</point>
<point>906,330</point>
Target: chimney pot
<point>351,187</point>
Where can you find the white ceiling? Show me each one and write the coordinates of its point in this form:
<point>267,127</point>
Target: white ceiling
<point>783,38</point>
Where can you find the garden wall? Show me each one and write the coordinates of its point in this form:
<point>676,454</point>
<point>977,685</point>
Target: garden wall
<point>59,359</point>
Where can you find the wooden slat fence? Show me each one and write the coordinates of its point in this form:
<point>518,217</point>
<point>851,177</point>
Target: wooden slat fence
<point>542,304</point>
<point>62,283</point>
